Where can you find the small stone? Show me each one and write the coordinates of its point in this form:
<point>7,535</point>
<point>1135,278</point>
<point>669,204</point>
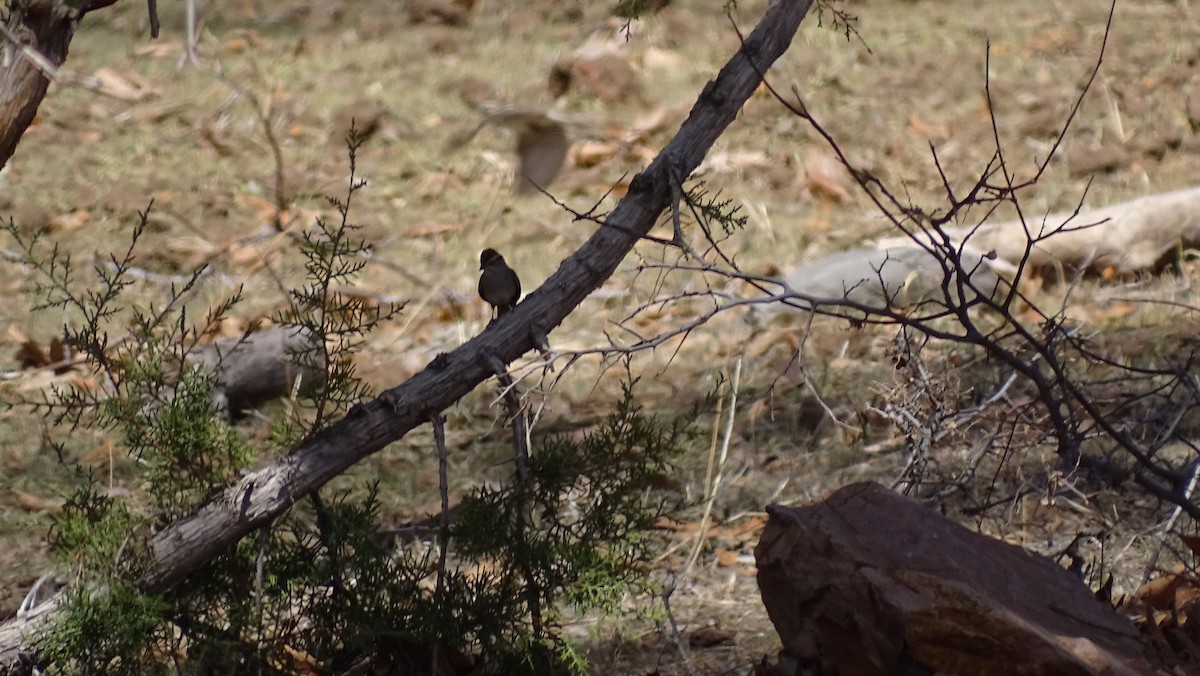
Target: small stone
<point>1096,160</point>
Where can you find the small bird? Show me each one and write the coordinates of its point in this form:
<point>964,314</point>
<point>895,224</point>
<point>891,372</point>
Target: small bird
<point>498,285</point>
<point>541,142</point>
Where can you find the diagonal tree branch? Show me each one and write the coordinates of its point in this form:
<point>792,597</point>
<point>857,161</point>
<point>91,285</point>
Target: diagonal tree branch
<point>266,493</point>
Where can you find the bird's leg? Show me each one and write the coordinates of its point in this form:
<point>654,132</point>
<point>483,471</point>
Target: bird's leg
<point>677,197</point>
<point>542,343</point>
<point>492,361</point>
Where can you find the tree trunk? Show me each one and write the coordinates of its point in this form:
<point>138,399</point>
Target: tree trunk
<point>265,494</point>
<point>45,28</point>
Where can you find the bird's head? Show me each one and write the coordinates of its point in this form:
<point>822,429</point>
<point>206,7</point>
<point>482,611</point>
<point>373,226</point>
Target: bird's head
<point>489,257</point>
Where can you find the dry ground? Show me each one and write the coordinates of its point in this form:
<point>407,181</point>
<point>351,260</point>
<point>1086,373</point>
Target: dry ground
<point>192,140</point>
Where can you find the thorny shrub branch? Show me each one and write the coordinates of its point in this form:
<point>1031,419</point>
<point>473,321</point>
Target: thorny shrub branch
<point>1054,343</point>
<point>1086,421</point>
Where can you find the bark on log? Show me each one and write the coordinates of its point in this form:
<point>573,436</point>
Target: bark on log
<point>263,495</point>
<point>45,27</point>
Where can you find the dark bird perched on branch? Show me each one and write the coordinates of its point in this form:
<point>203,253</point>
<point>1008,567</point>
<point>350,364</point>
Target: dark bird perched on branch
<point>498,285</point>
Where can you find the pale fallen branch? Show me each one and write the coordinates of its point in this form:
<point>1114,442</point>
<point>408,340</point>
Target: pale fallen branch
<point>1128,237</point>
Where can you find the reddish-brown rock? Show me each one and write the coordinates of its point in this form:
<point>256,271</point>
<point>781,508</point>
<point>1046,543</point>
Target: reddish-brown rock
<point>605,76</point>
<point>869,582</point>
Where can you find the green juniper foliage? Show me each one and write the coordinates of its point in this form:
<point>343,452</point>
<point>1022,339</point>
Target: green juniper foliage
<point>333,256</point>
<point>828,11</point>
<point>109,629</point>
<point>322,588</point>
<point>580,531</point>
<point>136,383</point>
<point>709,209</point>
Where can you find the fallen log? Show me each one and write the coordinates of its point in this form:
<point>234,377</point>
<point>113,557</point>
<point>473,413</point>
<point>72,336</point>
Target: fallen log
<point>1135,236</point>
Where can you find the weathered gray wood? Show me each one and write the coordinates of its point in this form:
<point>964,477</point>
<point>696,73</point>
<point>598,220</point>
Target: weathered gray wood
<point>1129,237</point>
<point>266,493</point>
<point>901,277</point>
<point>261,366</point>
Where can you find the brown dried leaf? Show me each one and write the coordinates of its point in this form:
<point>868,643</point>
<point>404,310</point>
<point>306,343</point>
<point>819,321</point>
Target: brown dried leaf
<point>591,153</point>
<point>437,229</point>
<point>1192,542</point>
<point>103,453</point>
<point>826,178</point>
<point>264,209</point>
<point>927,130</point>
<point>709,637</point>
<point>749,526</point>
<point>72,221</point>
<point>124,85</point>
<point>158,112</point>
<point>1185,600</point>
<point>58,353</point>
<point>31,356</point>
<point>727,558</point>
<point>212,137</point>
<point>159,50</point>
<point>38,504</point>
<point>1159,593</point>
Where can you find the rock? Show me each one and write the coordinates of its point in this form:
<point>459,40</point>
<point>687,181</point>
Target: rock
<point>606,76</point>
<point>366,114</point>
<point>869,582</point>
<point>1160,143</point>
<point>1193,108</point>
<point>449,12</point>
<point>473,91</point>
<point>1104,158</point>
